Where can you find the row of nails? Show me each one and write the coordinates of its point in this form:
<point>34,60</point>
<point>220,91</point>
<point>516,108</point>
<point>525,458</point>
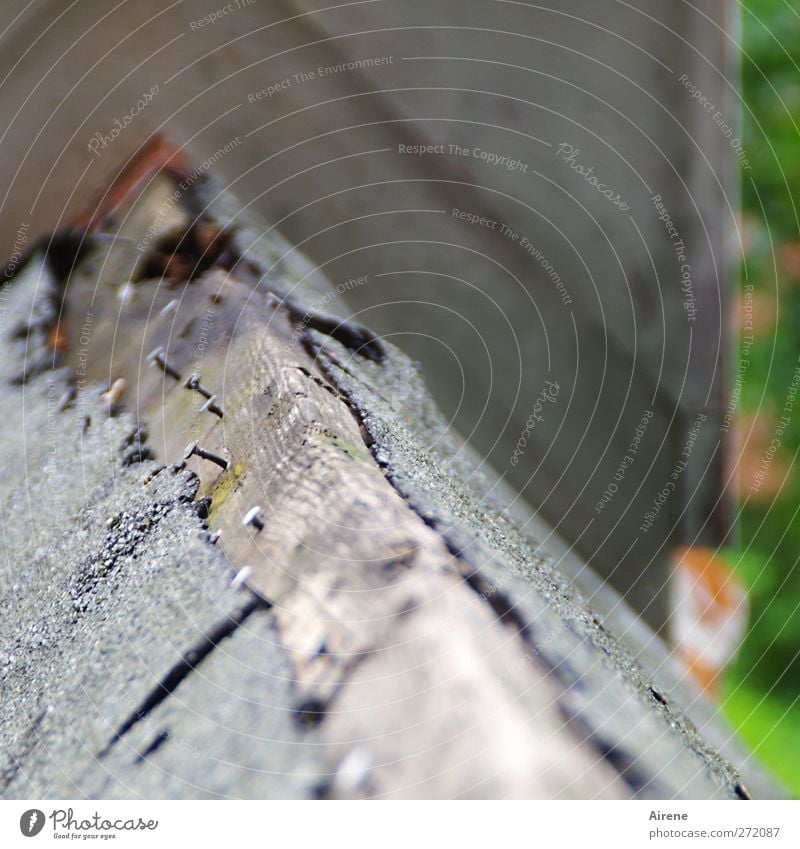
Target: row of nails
<point>253,516</point>
<point>157,358</point>
<point>193,383</point>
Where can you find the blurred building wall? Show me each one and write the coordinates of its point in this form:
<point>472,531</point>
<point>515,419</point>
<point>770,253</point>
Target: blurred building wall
<point>575,335</point>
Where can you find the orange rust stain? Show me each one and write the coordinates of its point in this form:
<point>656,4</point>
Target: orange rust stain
<point>709,614</point>
<point>57,339</point>
<point>705,676</point>
<point>712,574</point>
<point>157,156</point>
<point>760,470</point>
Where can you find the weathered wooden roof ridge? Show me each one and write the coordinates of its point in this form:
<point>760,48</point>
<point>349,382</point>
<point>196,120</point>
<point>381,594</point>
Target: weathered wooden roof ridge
<point>339,603</point>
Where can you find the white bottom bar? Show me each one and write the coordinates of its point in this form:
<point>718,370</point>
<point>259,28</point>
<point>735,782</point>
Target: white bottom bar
<point>402,825</point>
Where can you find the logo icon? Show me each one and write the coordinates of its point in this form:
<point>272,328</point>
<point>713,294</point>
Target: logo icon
<point>31,822</point>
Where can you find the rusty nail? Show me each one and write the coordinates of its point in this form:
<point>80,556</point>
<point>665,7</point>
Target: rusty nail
<point>253,517</point>
<point>212,406</point>
<point>156,357</point>
<point>192,448</point>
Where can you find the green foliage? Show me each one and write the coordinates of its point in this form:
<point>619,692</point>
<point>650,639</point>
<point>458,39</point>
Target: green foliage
<point>770,729</point>
<point>762,690</point>
<point>771,111</point>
